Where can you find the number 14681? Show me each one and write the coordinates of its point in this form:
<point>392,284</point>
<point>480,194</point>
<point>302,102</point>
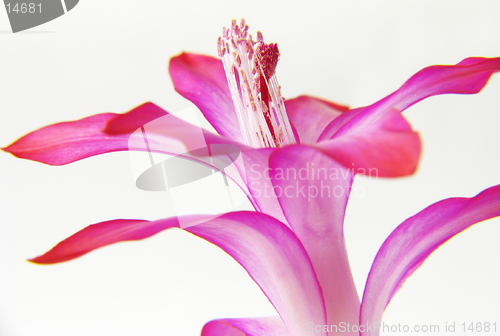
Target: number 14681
<point>24,8</point>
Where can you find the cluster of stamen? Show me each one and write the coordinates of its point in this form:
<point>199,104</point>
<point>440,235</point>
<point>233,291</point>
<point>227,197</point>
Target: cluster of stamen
<point>251,73</point>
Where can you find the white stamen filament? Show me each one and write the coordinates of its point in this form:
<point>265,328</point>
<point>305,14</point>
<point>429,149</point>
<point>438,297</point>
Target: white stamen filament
<point>248,65</point>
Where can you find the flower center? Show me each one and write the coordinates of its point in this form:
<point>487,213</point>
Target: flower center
<point>250,68</point>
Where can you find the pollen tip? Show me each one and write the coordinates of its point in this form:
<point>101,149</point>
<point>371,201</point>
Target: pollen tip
<point>260,37</point>
<point>268,56</point>
<point>220,48</point>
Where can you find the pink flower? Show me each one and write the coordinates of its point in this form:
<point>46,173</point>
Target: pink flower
<point>293,246</point>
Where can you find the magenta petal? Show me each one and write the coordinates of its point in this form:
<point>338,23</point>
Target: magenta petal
<point>267,326</point>
<point>102,234</point>
<point>202,80</point>
<point>275,259</point>
<point>311,115</point>
<point>67,142</point>
<point>467,77</point>
<point>385,148</point>
<point>414,240</point>
<point>313,191</point>
<point>267,249</point>
<point>70,141</point>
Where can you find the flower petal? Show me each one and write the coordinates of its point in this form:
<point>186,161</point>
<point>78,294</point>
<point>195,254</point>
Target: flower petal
<point>202,80</point>
<point>267,249</point>
<point>467,77</point>
<point>385,148</point>
<point>267,326</point>
<point>102,234</point>
<point>67,142</point>
<point>275,259</point>
<point>313,191</point>
<point>311,115</point>
<point>367,137</point>
<point>414,240</point>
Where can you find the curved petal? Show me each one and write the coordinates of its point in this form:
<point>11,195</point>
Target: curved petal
<point>70,141</point>
<point>467,77</point>
<point>311,115</point>
<point>414,240</point>
<point>202,80</point>
<point>267,326</point>
<point>67,142</point>
<point>101,234</point>
<point>385,148</point>
<point>275,259</point>
<point>267,249</point>
<point>313,191</point>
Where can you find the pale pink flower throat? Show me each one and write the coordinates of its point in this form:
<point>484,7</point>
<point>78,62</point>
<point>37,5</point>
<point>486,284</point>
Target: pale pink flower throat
<point>251,73</point>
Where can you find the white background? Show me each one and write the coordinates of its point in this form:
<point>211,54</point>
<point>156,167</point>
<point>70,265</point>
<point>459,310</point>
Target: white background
<point>109,56</point>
